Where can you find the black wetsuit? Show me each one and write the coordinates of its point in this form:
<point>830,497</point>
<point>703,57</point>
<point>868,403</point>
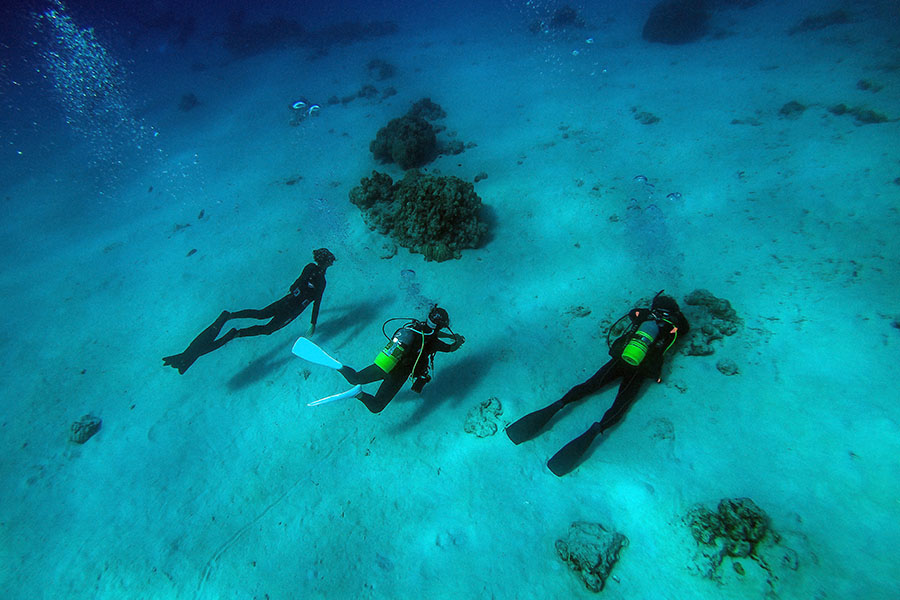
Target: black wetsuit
<point>412,363</point>
<point>307,289</point>
<point>632,378</point>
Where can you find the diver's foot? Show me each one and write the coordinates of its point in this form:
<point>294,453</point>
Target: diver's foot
<point>375,406</point>
<point>174,361</point>
<point>349,374</point>
<point>181,362</point>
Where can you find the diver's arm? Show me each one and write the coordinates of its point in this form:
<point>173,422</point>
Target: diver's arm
<point>318,284</point>
<point>654,368</point>
<point>638,315</point>
<point>315,317</point>
<point>660,349</point>
<point>442,346</point>
<point>315,310</point>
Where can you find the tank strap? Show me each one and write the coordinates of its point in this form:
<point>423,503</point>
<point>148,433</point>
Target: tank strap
<point>673,332</point>
<point>421,350</point>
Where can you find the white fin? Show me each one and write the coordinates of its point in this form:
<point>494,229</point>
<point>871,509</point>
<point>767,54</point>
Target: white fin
<point>351,393</point>
<point>305,349</point>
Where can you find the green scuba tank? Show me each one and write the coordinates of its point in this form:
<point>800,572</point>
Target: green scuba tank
<point>403,341</point>
<point>636,349</point>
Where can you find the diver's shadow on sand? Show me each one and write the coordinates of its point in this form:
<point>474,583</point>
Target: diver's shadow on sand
<point>450,386</point>
<point>489,216</point>
<point>356,320</point>
<point>258,369</point>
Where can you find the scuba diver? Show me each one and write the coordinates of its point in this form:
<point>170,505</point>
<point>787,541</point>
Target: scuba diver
<point>409,353</point>
<point>637,354</point>
<point>307,289</point>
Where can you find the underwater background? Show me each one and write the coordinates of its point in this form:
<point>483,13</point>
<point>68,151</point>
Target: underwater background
<point>161,162</point>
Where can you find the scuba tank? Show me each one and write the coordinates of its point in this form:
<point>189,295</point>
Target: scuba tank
<point>636,348</point>
<point>411,339</point>
<point>642,336</point>
<point>399,344</point>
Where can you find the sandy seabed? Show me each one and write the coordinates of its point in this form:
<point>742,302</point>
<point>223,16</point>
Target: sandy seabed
<point>222,483</point>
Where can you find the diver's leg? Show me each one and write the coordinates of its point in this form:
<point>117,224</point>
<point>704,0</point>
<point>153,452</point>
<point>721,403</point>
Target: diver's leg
<point>571,454</point>
<point>367,375</point>
<point>279,308</point>
<point>604,375</point>
<point>392,384</point>
<point>531,424</point>
<point>628,390</point>
<point>204,343</point>
<point>271,327</point>
<point>250,313</point>
<point>281,312</point>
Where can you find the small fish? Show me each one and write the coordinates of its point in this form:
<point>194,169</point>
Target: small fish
<point>640,178</point>
<point>674,196</point>
<point>313,110</point>
<point>299,105</point>
<point>589,41</point>
<point>192,252</point>
<point>200,216</point>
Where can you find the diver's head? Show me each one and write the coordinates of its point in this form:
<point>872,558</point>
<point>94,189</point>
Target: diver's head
<point>665,305</point>
<point>438,318</point>
<point>323,257</point>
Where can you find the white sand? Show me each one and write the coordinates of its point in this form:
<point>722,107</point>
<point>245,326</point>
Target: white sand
<point>222,484</point>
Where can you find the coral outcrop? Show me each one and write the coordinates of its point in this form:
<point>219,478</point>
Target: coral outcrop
<point>591,551</point>
<point>410,140</point>
<point>434,216</point>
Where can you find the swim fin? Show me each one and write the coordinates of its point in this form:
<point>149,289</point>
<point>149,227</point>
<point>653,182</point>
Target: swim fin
<point>531,424</point>
<point>305,349</point>
<point>182,362</point>
<point>351,393</point>
<point>565,461</point>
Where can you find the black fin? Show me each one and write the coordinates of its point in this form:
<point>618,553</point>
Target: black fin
<point>531,424</point>
<point>565,461</point>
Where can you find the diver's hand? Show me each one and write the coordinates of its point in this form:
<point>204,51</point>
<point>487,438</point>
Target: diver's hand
<point>460,340</point>
<point>311,330</point>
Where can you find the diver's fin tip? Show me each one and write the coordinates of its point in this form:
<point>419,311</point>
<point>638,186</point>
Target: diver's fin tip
<point>351,393</point>
<point>308,351</point>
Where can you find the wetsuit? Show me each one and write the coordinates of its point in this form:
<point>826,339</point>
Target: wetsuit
<point>632,377</point>
<point>307,289</point>
<point>412,363</point>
